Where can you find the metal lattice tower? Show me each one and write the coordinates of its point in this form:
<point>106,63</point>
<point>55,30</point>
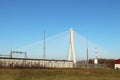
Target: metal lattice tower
<point>96,53</point>
<point>44,46</point>
<point>96,58</point>
<point>71,48</point>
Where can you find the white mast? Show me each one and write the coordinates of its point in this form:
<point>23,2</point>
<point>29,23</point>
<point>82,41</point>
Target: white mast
<point>71,48</point>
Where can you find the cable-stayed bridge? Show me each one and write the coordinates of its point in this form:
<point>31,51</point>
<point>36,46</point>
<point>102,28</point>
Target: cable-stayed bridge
<point>57,48</point>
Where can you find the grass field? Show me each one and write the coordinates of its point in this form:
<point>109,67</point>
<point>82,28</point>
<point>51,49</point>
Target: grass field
<point>59,74</point>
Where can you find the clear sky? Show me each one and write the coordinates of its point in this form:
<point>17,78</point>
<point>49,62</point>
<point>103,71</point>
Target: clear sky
<point>23,21</point>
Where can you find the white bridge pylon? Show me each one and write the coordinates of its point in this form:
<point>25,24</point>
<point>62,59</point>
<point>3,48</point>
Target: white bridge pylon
<point>71,47</point>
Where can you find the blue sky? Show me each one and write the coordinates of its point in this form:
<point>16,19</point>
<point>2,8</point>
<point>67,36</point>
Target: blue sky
<point>23,21</point>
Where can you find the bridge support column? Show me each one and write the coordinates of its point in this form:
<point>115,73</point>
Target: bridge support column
<point>71,48</point>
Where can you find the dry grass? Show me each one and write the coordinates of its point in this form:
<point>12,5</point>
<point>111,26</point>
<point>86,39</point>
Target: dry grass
<point>59,74</point>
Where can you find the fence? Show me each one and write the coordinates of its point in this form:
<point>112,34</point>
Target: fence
<point>34,63</point>
<point>83,65</point>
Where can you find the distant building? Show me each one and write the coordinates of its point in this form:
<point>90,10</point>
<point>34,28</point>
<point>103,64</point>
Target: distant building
<point>117,64</point>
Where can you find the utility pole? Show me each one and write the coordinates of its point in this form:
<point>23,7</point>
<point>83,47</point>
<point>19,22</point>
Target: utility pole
<point>87,60</point>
